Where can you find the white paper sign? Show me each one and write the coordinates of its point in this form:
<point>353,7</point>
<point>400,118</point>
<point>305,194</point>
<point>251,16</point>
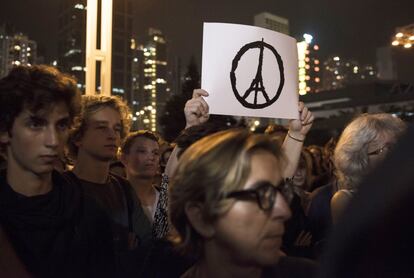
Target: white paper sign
<point>250,71</point>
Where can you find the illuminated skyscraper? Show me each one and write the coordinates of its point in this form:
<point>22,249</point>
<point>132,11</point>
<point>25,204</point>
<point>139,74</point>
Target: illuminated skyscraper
<point>309,66</point>
<point>72,42</point>
<point>15,50</point>
<point>149,79</point>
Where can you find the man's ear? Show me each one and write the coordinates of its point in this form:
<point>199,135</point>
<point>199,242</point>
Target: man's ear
<point>194,212</point>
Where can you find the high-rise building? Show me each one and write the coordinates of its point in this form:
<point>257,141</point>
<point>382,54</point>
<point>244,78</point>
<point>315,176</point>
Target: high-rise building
<point>149,79</point>
<point>72,43</point>
<point>272,22</point>
<point>339,73</point>
<point>309,64</point>
<point>15,50</point>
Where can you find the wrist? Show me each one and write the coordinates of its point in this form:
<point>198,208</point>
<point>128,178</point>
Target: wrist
<point>298,137</point>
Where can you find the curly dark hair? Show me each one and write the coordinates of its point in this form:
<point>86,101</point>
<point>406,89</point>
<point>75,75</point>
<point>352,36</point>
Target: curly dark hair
<point>35,88</point>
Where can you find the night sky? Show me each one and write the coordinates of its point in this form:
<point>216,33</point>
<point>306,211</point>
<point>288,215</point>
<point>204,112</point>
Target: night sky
<point>348,28</point>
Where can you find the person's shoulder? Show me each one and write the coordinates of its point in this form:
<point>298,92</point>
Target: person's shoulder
<point>294,267</point>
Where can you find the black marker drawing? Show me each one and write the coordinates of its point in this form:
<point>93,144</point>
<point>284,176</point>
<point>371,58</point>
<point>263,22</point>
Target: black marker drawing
<point>257,84</point>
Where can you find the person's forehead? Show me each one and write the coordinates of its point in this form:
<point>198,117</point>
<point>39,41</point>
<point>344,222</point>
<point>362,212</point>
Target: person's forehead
<point>144,142</point>
<point>105,114</point>
<point>57,110</point>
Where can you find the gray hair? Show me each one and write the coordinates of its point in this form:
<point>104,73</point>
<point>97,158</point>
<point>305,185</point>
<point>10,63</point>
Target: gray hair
<point>351,152</point>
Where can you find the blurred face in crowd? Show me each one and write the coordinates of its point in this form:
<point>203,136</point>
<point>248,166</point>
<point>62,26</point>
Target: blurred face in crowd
<point>379,148</point>
<point>246,234</point>
<point>299,177</point>
<point>143,158</point>
<point>36,140</point>
<point>102,136</point>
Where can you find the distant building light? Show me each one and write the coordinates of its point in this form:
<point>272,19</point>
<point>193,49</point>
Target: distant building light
<point>336,58</point>
<point>317,69</point>
<point>316,62</point>
<point>17,47</point>
<point>399,35</point>
<point>411,38</point>
<point>28,49</point>
<point>317,80</point>
<point>256,123</point>
<point>308,38</point>
<point>316,47</point>
<point>407,45</point>
<point>118,90</point>
<point>135,60</point>
<point>395,43</point>
<point>77,68</point>
<point>80,7</point>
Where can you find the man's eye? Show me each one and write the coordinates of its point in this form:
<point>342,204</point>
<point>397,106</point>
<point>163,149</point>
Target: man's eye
<point>35,124</point>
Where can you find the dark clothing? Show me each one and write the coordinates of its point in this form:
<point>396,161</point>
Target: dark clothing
<point>319,216</point>
<point>118,199</point>
<point>296,226</point>
<point>57,234</point>
<point>287,267</point>
<point>127,219</point>
<point>291,267</point>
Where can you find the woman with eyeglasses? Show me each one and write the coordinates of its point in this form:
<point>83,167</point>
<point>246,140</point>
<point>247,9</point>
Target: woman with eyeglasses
<point>362,145</point>
<point>229,203</point>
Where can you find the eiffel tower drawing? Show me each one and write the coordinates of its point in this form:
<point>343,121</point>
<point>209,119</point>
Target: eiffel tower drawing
<point>257,84</point>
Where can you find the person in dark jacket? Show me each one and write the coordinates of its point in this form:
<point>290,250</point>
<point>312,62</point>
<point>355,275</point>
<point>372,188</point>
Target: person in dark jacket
<point>47,222</point>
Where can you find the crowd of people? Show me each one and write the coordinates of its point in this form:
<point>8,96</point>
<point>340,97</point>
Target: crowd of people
<point>83,196</point>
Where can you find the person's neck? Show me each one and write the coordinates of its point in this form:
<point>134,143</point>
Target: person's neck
<point>28,183</point>
<point>90,169</point>
<point>143,186</point>
<point>218,263</point>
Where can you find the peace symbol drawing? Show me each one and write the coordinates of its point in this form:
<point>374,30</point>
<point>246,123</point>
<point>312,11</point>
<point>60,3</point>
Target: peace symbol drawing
<point>257,86</point>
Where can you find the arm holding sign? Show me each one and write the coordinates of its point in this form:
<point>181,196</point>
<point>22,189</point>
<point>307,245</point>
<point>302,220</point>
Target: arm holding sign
<point>292,146</point>
<point>196,113</point>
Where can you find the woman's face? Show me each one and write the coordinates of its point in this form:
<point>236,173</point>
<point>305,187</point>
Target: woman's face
<point>299,178</point>
<point>246,234</point>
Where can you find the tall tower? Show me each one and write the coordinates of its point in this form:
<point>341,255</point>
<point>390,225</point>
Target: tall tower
<point>310,66</point>
<point>72,43</point>
<point>149,80</point>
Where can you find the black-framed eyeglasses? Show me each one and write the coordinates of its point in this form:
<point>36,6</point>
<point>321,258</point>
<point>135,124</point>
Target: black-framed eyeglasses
<point>382,149</point>
<point>264,193</point>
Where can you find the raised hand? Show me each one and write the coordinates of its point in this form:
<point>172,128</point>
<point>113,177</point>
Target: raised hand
<point>196,109</point>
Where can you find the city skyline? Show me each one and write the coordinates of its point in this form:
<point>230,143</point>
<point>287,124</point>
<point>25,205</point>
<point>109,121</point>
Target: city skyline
<point>351,29</point>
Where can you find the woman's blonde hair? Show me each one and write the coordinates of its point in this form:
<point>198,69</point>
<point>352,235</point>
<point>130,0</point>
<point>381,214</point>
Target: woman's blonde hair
<point>351,152</point>
<point>208,169</point>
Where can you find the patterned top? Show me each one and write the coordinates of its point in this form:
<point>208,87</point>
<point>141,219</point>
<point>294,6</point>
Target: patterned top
<point>160,225</point>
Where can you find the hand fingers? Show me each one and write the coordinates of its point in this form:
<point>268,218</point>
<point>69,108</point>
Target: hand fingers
<point>309,119</point>
<point>301,105</point>
<point>200,103</point>
<point>199,93</point>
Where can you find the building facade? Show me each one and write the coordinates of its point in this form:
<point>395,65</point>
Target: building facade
<point>16,49</point>
<point>149,80</point>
